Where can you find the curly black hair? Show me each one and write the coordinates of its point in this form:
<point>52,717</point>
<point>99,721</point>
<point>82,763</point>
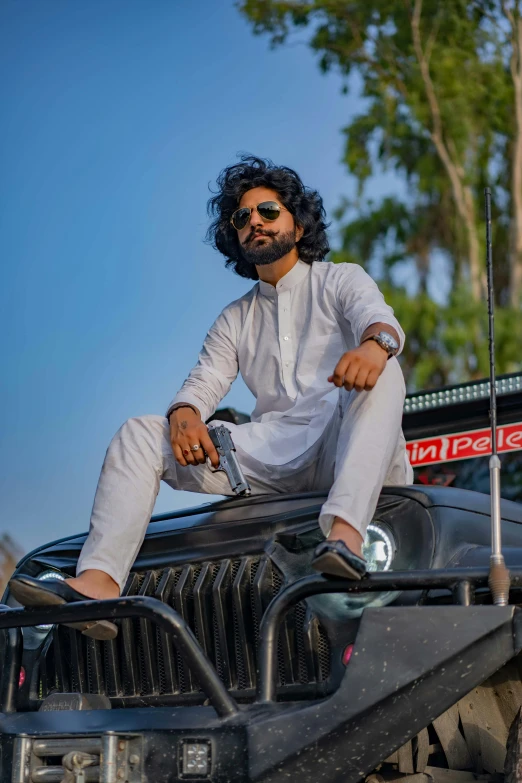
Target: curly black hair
<point>305,205</point>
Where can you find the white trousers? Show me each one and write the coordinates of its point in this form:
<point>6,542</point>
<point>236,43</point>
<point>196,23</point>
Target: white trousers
<point>361,449</point>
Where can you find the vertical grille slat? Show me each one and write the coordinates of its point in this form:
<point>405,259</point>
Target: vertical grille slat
<point>181,606</point>
<point>322,654</point>
<point>203,609</point>
<point>131,675</point>
<point>243,626</point>
<point>286,645</point>
<point>166,651</point>
<point>62,669</point>
<point>47,666</point>
<point>147,643</point>
<point>77,661</point>
<point>309,642</point>
<point>223,625</point>
<point>94,666</point>
<point>223,603</point>
<point>262,594</point>
<point>287,649</point>
<point>260,597</point>
<point>112,668</point>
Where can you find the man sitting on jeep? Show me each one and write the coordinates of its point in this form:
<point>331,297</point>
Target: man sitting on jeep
<point>315,343</point>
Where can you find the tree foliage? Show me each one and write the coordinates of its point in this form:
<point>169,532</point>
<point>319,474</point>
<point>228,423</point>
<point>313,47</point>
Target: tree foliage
<point>443,109</point>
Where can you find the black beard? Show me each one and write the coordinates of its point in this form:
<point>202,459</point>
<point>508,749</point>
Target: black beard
<point>275,247</point>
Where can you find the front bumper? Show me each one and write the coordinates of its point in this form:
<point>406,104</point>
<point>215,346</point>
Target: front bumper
<point>409,665</point>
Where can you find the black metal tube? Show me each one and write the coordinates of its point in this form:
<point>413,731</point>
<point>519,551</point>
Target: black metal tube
<point>463,592</point>
<point>135,606</point>
<point>11,669</point>
<point>59,747</point>
<point>491,317</point>
<point>499,578</point>
<point>55,774</point>
<point>375,582</point>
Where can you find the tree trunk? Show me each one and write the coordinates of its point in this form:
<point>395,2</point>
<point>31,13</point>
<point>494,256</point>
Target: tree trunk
<point>515,261</point>
<point>476,272</point>
<point>462,194</point>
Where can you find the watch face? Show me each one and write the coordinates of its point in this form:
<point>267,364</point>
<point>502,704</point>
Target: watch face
<point>388,340</point>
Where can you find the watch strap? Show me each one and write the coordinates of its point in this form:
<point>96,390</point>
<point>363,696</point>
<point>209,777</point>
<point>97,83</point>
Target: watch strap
<point>382,343</point>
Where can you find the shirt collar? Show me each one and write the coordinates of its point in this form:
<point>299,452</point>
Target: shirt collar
<point>297,273</point>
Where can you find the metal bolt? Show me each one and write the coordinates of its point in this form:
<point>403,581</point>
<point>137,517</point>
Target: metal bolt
<point>134,759</point>
<point>121,746</point>
<point>120,774</point>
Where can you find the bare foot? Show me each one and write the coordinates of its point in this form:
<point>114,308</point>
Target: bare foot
<point>95,584</point>
<point>343,531</point>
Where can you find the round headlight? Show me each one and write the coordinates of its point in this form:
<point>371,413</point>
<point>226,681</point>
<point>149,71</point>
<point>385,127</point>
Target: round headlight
<point>378,548</point>
<point>44,577</point>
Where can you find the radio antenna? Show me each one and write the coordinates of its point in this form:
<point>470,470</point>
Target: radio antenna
<point>499,579</point>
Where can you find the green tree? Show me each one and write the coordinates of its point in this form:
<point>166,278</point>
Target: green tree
<point>443,89</point>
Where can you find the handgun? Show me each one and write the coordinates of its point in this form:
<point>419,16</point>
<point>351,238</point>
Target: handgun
<point>222,440</point>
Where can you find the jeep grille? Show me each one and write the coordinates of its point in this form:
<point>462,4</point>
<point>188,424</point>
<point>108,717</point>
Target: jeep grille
<point>223,603</point>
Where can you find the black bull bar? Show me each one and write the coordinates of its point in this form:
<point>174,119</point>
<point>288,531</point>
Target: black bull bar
<point>381,707</point>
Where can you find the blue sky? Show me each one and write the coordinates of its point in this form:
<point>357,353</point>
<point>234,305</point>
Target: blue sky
<point>117,115</point>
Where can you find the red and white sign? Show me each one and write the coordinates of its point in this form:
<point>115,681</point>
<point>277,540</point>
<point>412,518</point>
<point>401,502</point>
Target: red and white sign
<point>463,445</point>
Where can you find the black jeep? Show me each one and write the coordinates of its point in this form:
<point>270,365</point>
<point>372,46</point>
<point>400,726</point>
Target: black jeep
<point>235,662</point>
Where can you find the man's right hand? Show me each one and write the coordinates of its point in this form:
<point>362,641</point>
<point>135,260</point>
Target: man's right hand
<point>187,430</point>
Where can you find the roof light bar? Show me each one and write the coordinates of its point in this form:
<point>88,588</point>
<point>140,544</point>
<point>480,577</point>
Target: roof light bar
<point>472,391</point>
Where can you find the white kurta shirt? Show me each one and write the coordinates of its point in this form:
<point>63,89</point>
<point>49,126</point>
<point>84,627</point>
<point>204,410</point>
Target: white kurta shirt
<point>285,341</point>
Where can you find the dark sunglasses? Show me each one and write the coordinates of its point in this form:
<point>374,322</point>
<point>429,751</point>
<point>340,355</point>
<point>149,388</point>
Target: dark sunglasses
<point>267,211</point>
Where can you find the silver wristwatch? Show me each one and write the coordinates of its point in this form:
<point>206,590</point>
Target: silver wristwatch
<point>386,341</point>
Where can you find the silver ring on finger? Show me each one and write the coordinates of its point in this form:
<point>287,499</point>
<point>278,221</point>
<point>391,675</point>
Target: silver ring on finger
<point>195,448</point>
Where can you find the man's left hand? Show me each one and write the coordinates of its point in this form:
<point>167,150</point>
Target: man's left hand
<point>359,369</point>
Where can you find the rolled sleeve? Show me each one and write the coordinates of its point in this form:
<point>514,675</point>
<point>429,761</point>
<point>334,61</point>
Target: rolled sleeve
<point>362,304</point>
<point>217,368</point>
